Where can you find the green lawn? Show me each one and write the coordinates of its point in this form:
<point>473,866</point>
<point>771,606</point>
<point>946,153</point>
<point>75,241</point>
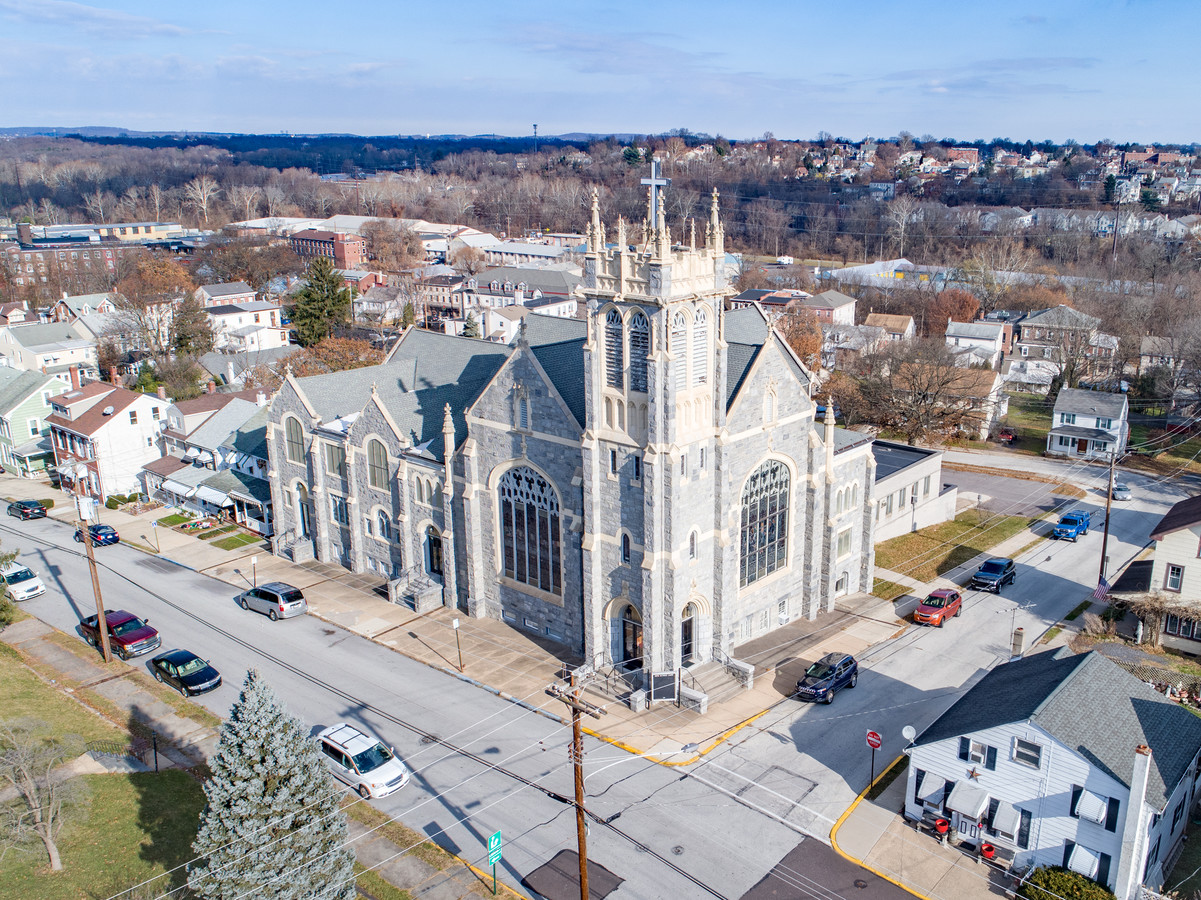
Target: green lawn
<point>173,520</point>
<point>133,828</point>
<point>216,532</point>
<point>1185,878</point>
<point>935,550</point>
<point>238,540</point>
<point>887,590</point>
<point>1030,416</point>
<point>25,694</point>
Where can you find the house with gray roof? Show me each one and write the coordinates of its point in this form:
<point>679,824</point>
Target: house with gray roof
<point>1088,424</point>
<point>226,293</point>
<point>1063,760</point>
<point>986,337</point>
<point>52,348</point>
<point>658,461</point>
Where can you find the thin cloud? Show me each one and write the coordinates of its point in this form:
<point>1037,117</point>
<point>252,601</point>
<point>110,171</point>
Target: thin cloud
<point>106,22</point>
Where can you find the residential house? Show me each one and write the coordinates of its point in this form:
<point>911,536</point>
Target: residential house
<point>15,313</point>
<point>844,346</point>
<point>503,323</point>
<point>24,405</point>
<point>437,297</point>
<point>1088,425</point>
<point>231,369</point>
<point>832,306</point>
<point>1062,760</point>
<point>360,281</point>
<point>975,395</point>
<point>978,342</point>
<point>1157,353</point>
<point>1061,335</point>
<point>52,348</point>
<point>225,293</point>
<point>749,297</point>
<point>516,253</point>
<point>102,436</point>
<point>896,328</point>
<point>210,463</point>
<point>247,326</point>
<point>381,305</point>
<point>518,286</point>
<point>909,489</point>
<point>1165,591</point>
<point>71,307</point>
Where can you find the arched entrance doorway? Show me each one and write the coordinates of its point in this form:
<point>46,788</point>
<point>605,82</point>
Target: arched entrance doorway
<point>687,638</point>
<point>433,551</point>
<point>631,638</point>
<point>304,513</point>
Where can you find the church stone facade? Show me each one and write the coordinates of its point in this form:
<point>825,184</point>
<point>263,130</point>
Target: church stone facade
<point>648,485</point>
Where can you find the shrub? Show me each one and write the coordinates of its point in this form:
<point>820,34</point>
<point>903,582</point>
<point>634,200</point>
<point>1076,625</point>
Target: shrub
<point>1058,883</point>
<point>49,504</point>
<point>111,502</point>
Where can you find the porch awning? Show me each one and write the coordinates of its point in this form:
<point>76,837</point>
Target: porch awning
<point>1092,807</point>
<point>192,453</point>
<point>968,800</point>
<point>180,490</point>
<point>932,789</point>
<point>213,496</point>
<point>1007,818</point>
<point>1084,861</point>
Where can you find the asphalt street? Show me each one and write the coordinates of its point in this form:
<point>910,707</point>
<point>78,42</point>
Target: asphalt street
<point>737,821</point>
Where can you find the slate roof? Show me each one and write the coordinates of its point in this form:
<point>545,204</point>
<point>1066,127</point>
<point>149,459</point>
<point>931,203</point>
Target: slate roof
<point>845,439</point>
<point>251,436</point>
<point>76,302</point>
<point>1060,317</point>
<point>987,331</point>
<point>424,372</point>
<point>216,429</point>
<point>1184,514</point>
<point>558,280</point>
<point>227,289</point>
<point>558,345</point>
<point>1088,703</point>
<point>1092,403</point>
<point>18,385</point>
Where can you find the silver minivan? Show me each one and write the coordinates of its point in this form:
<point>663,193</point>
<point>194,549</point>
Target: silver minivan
<point>276,599</point>
<point>361,761</point>
<point>22,583</point>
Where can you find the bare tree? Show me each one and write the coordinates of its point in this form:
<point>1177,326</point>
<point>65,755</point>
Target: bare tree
<point>154,195</point>
<point>98,203</point>
<point>201,192</point>
<point>274,196</point>
<point>245,196</point>
<point>901,214</point>
<point>30,764</point>
<point>995,270</point>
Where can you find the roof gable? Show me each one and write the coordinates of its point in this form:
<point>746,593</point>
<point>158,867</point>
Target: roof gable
<point>1184,514</point>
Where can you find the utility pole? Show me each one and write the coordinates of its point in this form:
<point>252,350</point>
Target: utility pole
<point>101,618</point>
<point>535,138</point>
<point>1108,506</point>
<point>572,699</point>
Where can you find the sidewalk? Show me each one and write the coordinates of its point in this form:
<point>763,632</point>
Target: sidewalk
<point>511,663</point>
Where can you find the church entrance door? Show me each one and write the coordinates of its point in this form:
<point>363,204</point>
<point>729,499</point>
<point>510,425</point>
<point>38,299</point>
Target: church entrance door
<point>631,634</point>
<point>686,640</point>
<point>433,551</point>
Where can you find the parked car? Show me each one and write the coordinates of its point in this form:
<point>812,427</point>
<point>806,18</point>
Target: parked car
<point>276,599</point>
<point>1072,526</point>
<point>994,575</point>
<point>941,605</point>
<point>827,676</point>
<point>362,761</point>
<point>27,509</point>
<point>1121,492</point>
<point>128,635</point>
<point>1007,435</point>
<point>186,672</point>
<point>102,535</point>
<point>22,583</point>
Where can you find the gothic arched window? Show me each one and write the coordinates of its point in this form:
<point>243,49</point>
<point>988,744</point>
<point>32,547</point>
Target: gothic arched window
<point>625,548</point>
<point>764,547</point>
<point>700,349</point>
<point>377,465</point>
<point>294,436</point>
<point>529,527</point>
<point>679,349</point>
<point>640,333</point>
<point>614,351</point>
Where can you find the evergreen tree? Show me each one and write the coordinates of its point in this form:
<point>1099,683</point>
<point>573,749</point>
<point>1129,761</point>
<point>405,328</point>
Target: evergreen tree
<point>272,826</point>
<point>471,328</point>
<point>322,303</point>
<point>191,333</point>
<point>409,316</point>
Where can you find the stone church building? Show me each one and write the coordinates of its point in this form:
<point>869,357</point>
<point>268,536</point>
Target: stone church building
<point>649,485</point>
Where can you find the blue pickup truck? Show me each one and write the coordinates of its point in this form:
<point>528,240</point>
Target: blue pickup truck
<point>1072,525</point>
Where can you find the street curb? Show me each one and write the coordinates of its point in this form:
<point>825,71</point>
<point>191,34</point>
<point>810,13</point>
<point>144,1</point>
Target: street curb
<point>858,862</point>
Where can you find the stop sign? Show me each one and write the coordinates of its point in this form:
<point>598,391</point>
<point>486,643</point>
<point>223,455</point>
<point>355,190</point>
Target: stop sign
<point>874,740</point>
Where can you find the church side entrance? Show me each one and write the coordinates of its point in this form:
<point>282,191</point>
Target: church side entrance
<point>686,634</point>
<point>631,638</point>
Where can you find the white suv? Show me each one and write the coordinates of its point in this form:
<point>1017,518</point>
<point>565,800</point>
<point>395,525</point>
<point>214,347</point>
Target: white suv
<point>362,761</point>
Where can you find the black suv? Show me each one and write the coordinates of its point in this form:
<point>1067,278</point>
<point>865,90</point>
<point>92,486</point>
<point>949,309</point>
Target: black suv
<point>828,675</point>
<point>994,575</point>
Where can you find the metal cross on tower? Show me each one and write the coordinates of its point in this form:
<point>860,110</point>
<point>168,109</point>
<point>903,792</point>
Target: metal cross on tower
<point>656,183</point>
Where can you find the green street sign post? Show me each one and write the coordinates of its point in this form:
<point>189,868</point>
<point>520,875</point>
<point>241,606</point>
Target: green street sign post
<point>494,856</point>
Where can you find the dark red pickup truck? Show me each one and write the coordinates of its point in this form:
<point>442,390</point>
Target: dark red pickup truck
<point>128,635</point>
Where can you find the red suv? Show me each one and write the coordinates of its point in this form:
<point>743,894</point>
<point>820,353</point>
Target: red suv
<point>938,607</point>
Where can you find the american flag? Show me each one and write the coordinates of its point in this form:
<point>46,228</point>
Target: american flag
<point>1102,589</point>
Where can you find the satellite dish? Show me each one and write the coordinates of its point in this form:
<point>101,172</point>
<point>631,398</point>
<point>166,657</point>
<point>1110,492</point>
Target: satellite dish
<point>909,732</point>
<point>107,411</point>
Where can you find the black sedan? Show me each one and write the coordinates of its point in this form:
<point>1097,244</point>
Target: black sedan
<point>27,509</point>
<point>102,535</point>
<point>186,672</point>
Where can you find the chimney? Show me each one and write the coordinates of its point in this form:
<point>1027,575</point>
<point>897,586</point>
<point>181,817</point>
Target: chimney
<point>212,387</point>
<point>112,375</point>
<point>260,398</point>
<point>74,370</point>
<point>1130,864</point>
<point>230,375</point>
<point>162,392</point>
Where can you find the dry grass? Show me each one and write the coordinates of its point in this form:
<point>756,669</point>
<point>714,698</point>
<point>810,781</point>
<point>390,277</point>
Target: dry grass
<point>930,552</point>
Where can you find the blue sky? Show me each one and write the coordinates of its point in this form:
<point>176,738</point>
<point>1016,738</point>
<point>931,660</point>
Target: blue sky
<point>1058,69</point>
